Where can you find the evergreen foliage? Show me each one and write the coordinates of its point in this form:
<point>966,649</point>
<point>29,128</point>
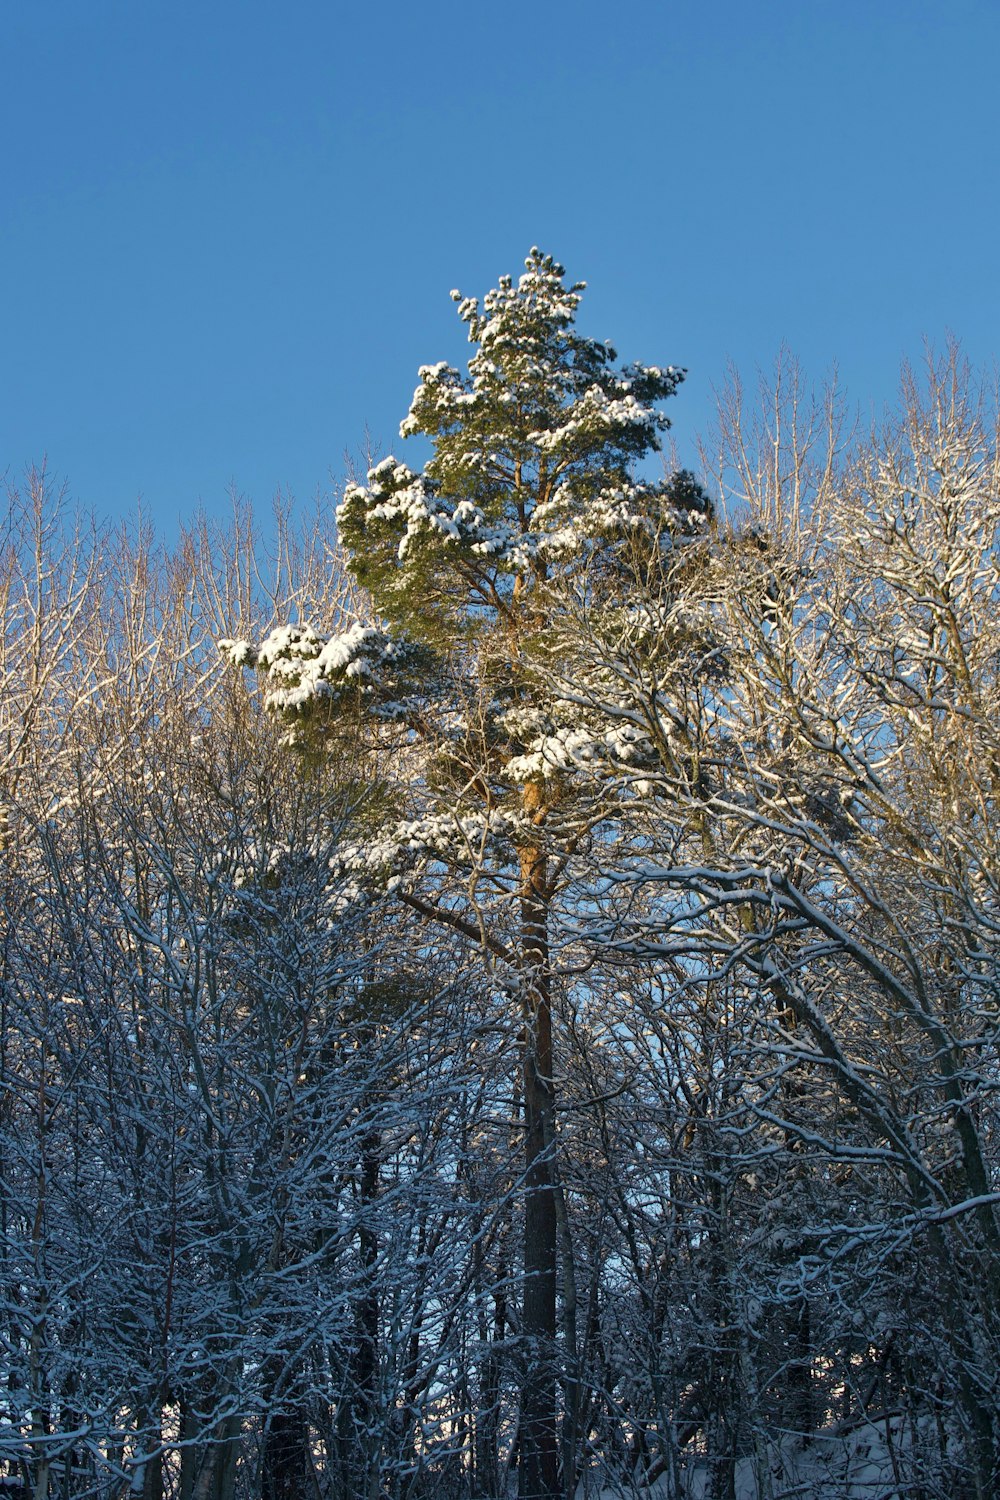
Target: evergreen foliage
<point>534,451</point>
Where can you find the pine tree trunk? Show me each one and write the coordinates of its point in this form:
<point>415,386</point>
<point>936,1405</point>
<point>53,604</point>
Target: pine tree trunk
<point>286,1467</point>
<point>357,1413</point>
<point>539,1479</point>
<point>152,1477</point>
<point>189,1451</point>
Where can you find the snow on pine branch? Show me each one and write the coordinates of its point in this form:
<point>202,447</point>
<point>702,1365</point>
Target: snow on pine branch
<point>302,668</point>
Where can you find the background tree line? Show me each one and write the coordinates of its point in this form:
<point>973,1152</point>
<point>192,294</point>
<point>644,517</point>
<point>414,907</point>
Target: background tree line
<point>533,1030</point>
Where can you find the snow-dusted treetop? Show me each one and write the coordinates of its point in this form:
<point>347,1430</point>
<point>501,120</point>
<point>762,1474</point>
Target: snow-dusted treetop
<point>532,474</point>
<point>534,449</point>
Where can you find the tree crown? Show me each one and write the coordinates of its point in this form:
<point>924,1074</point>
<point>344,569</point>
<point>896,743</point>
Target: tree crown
<point>534,451</point>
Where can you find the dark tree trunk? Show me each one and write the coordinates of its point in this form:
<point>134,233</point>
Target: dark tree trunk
<point>539,1477</point>
<point>286,1468</point>
<point>357,1408</point>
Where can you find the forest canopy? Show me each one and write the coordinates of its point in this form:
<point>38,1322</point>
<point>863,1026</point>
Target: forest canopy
<point>501,984</point>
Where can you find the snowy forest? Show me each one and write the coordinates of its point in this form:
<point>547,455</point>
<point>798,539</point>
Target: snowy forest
<point>500,980</point>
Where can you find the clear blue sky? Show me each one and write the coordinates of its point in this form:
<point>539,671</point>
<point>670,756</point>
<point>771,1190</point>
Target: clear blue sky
<point>230,229</point>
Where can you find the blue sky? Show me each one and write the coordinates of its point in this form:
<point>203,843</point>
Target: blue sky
<point>230,229</point>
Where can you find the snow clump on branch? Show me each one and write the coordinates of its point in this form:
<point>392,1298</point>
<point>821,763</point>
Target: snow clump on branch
<point>303,668</point>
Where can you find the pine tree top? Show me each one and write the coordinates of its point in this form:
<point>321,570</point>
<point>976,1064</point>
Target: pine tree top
<point>532,480</point>
<point>534,453</point>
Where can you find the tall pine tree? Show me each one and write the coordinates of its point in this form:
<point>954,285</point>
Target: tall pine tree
<point>531,487</point>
